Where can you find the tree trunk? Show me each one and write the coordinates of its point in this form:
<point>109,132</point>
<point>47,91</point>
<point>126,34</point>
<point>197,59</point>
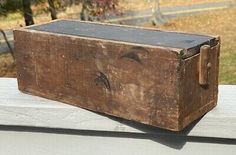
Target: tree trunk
<point>158,18</point>
<point>72,2</point>
<point>27,12</point>
<point>82,13</point>
<point>52,9</point>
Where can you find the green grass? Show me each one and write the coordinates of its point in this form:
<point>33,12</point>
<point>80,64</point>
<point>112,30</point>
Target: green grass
<point>228,66</point>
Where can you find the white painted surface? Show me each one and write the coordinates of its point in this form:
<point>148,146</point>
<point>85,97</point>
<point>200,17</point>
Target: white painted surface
<point>33,143</point>
<point>21,109</point>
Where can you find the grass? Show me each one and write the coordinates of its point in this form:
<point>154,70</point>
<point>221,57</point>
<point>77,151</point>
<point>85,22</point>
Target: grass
<point>15,20</point>
<point>149,4</point>
<point>7,67</point>
<point>187,2</point>
<point>221,22</point>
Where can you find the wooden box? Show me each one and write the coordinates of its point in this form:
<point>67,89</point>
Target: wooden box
<point>164,79</point>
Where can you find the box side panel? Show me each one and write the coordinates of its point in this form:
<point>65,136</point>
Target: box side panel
<point>195,99</point>
<point>165,102</point>
<point>130,81</point>
<point>26,75</point>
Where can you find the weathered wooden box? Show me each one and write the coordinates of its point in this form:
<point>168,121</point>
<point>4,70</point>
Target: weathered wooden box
<point>164,79</point>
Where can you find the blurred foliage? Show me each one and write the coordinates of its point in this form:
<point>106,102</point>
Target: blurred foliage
<point>91,9</point>
<point>24,7</point>
<point>7,6</point>
<point>98,9</point>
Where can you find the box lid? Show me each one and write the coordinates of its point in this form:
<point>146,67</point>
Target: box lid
<point>190,43</point>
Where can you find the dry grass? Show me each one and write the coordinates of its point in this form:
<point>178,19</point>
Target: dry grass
<point>7,67</point>
<point>149,4</point>
<point>15,20</point>
<point>186,2</point>
<point>221,23</point>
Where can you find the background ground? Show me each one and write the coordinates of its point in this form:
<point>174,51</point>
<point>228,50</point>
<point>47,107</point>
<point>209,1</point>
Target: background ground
<point>141,4</point>
<point>7,67</point>
<point>220,22</point>
<point>15,20</point>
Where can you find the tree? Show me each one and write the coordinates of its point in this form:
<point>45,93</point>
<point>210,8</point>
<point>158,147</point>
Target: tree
<point>72,2</point>
<point>27,11</point>
<point>52,9</point>
<point>98,9</point>
<point>157,15</point>
<point>91,9</point>
<point>22,6</point>
<point>7,6</point>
